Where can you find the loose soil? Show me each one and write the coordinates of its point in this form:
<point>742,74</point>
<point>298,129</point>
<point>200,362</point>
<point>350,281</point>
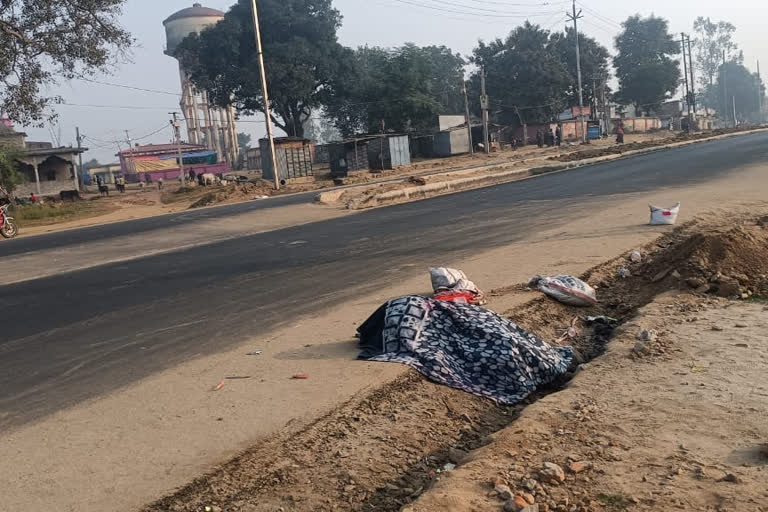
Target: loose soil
<point>384,450</point>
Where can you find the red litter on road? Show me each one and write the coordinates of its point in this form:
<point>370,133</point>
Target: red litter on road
<point>300,376</point>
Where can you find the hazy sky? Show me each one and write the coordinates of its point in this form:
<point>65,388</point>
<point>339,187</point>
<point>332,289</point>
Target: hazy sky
<point>373,22</point>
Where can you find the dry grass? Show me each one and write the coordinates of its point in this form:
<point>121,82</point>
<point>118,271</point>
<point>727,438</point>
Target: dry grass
<point>55,213</point>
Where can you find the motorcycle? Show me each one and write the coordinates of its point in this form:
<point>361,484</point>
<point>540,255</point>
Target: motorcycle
<point>8,227</point>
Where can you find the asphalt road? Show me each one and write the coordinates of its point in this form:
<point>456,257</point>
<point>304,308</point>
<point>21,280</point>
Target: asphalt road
<point>75,336</point>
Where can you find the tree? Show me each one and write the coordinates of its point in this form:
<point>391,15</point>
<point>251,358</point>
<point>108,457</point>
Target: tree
<point>594,62</point>
<point>43,41</point>
<point>527,80</point>
<point>647,75</point>
<point>321,130</point>
<point>741,85</point>
<point>9,174</point>
<point>243,141</point>
<point>301,55</point>
<point>712,39</point>
<point>406,88</point>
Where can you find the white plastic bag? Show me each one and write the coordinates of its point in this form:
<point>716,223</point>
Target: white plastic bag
<point>664,216</point>
<point>566,289</point>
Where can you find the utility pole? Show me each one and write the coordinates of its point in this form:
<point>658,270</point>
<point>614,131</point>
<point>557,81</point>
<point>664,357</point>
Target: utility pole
<point>177,129</point>
<point>759,96</point>
<point>693,83</point>
<point>685,72</point>
<point>575,17</point>
<point>265,94</point>
<point>735,120</point>
<point>484,106</point>
<point>469,122</point>
<point>725,92</point>
<point>79,173</point>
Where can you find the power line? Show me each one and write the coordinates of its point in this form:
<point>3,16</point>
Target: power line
<point>123,86</point>
<point>466,13</point>
<point>495,11</point>
<point>119,107</point>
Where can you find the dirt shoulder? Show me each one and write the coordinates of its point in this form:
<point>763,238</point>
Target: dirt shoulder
<point>682,427</point>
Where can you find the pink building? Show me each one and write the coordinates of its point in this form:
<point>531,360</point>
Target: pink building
<point>161,161</point>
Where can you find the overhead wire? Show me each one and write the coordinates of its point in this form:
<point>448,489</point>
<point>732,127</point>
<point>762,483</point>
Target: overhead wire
<point>467,13</point>
<point>131,87</point>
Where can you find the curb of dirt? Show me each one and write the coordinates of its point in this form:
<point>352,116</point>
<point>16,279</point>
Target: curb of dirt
<point>333,197</point>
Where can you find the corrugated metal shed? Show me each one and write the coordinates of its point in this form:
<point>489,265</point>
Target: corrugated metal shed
<point>348,156</point>
<point>451,142</point>
<point>389,152</point>
<point>293,156</point>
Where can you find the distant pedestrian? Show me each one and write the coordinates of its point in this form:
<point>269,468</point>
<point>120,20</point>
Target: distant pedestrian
<point>540,138</point>
<point>159,183</point>
<point>192,175</point>
<point>558,136</point>
<point>32,197</point>
<point>550,137</point>
<point>99,181</point>
<point>620,134</point>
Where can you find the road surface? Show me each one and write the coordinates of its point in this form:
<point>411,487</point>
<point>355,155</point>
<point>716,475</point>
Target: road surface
<point>75,336</point>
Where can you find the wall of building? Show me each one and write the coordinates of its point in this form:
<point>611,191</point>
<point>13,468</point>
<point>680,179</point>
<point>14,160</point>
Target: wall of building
<point>55,175</point>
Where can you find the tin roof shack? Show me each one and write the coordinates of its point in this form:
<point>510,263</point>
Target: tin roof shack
<point>347,157</point>
<point>293,156</point>
<point>388,152</point>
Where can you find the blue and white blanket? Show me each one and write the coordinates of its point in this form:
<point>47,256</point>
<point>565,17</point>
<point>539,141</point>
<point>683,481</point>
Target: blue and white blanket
<point>463,346</point>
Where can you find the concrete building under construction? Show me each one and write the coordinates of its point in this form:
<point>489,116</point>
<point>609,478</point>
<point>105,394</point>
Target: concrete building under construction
<point>207,125</point>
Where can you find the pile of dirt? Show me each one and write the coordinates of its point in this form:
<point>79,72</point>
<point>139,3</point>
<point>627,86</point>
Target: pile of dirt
<point>382,451</point>
<point>234,193</point>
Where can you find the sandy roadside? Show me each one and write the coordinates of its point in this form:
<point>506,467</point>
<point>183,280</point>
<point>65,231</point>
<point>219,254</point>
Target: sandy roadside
<point>683,427</point>
<point>125,449</point>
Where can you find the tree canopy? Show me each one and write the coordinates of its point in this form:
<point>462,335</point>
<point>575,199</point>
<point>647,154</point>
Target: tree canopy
<point>647,74</point>
<point>740,84</point>
<point>43,41</point>
<point>531,75</point>
<point>406,88</point>
<point>301,53</point>
<point>594,62</point>
<point>712,39</point>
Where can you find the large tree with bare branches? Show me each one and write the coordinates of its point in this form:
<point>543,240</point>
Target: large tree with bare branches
<point>44,41</point>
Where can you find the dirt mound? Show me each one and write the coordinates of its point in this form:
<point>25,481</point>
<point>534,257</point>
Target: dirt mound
<point>233,193</point>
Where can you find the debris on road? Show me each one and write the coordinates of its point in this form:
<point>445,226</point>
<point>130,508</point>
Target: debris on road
<point>566,289</point>
<point>254,353</point>
<point>300,376</point>
<point>636,257</point>
<point>664,216</point>
<point>220,385</point>
<point>238,377</point>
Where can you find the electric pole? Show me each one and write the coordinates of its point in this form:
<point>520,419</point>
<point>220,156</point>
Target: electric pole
<point>685,72</point>
<point>79,174</point>
<point>575,17</point>
<point>177,129</point>
<point>265,95</point>
<point>484,106</point>
<point>725,92</point>
<point>469,122</point>
<point>693,83</point>
<point>759,96</point>
<point>735,121</point>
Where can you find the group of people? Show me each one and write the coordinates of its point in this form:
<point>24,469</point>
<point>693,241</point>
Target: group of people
<point>549,137</point>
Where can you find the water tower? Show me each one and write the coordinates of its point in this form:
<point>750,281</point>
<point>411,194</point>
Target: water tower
<point>209,125</point>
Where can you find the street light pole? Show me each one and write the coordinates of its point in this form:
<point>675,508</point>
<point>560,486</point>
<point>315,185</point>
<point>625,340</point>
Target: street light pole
<point>469,123</point>
<point>265,94</point>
